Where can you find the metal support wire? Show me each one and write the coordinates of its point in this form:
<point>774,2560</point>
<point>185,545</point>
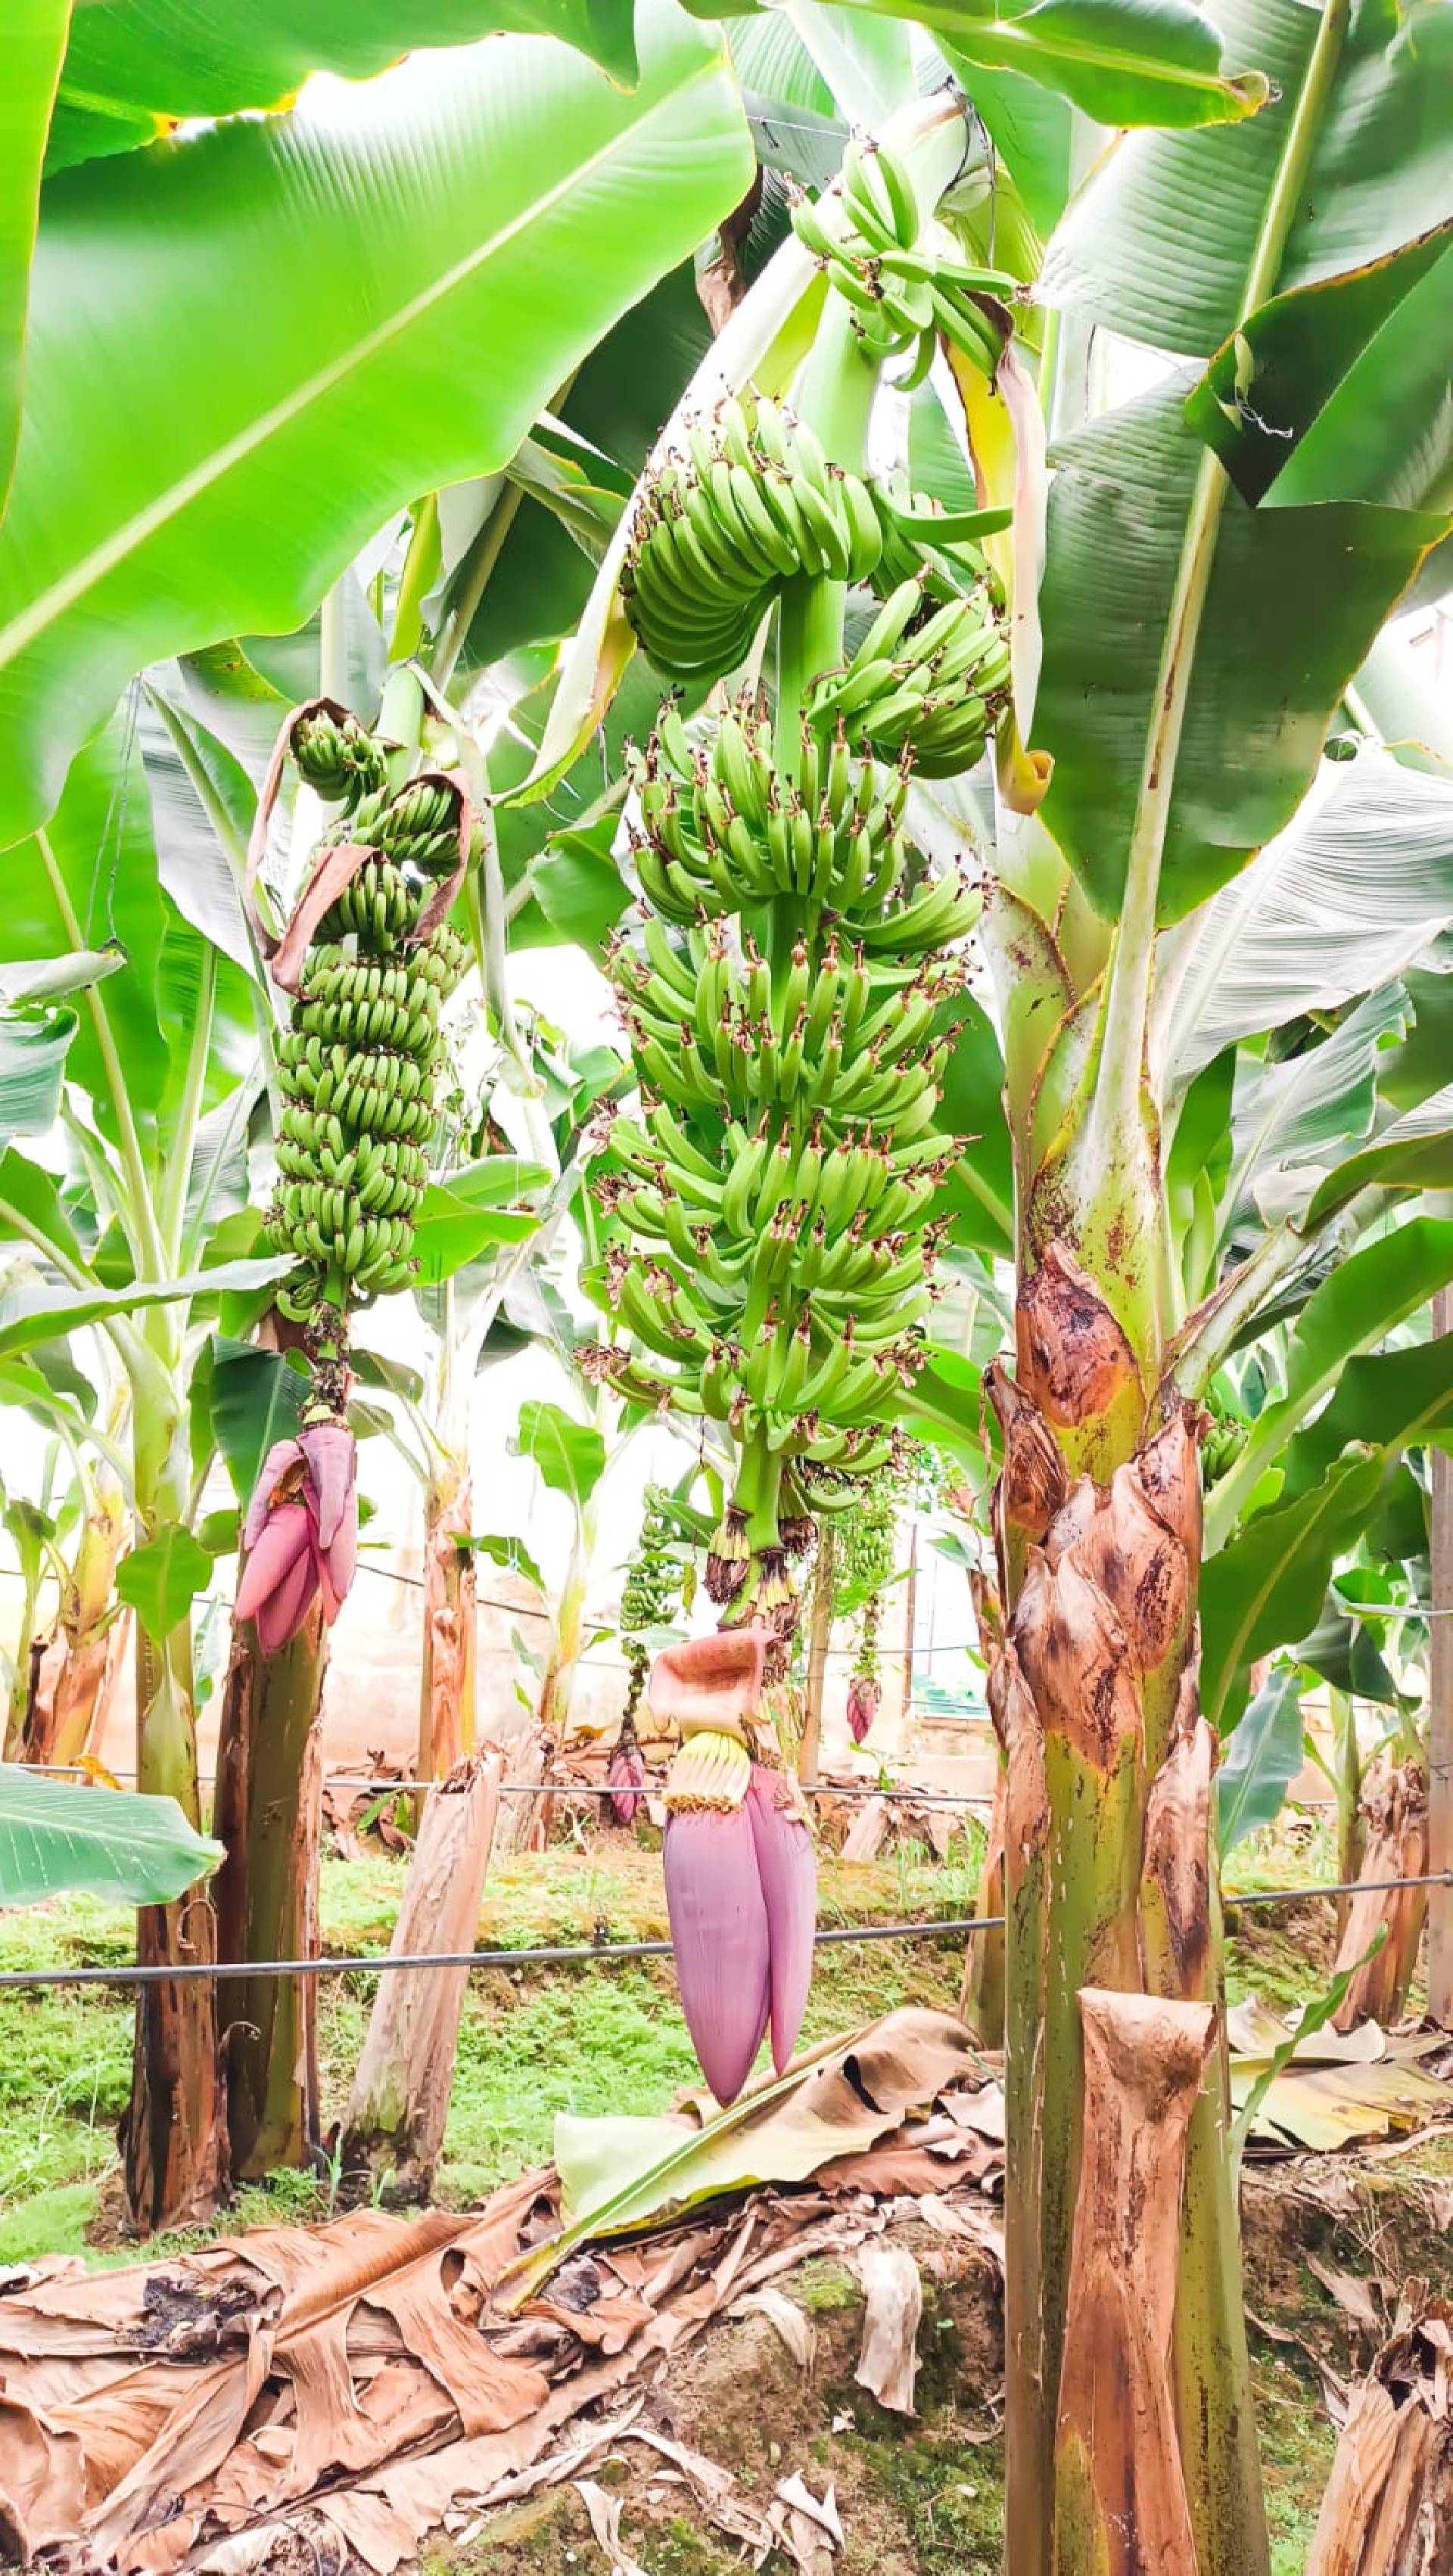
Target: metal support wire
<point>579,1953</point>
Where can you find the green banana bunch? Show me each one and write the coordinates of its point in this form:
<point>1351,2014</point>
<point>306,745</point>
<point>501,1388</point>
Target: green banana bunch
<point>863,232</point>
<point>941,548</point>
<point>932,684</point>
<point>358,1061</point>
<point>1223,1443</point>
<point>723,826</point>
<point>335,755</point>
<point>650,1595</point>
<point>770,1238</point>
<point>752,503</point>
<point>772,1250</point>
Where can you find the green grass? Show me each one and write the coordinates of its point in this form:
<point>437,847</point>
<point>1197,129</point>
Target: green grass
<point>531,2042</point>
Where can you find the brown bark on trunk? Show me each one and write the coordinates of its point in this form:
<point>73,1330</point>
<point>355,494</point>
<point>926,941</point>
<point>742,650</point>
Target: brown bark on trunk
<point>71,1685</point>
<point>1112,1936</point>
<point>74,1671</point>
<point>1395,1801</point>
<point>174,2134</point>
<point>529,1773</point>
<point>1388,2509</point>
<point>446,1702</point>
<point>400,2099</point>
<point>267,1812</point>
<point>1440,1715</point>
<point>1120,2497</point>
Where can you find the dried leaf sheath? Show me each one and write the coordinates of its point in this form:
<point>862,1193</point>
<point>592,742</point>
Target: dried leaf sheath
<point>1120,2499</point>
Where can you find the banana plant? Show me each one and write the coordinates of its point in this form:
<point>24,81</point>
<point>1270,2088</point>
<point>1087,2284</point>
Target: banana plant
<point>1244,474</point>
<point>139,1236</point>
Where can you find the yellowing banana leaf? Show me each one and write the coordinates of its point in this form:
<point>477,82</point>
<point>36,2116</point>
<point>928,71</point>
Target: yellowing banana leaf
<point>1255,2034</point>
<point>1327,2107</point>
<point>1339,2087</point>
<point>623,2174</point>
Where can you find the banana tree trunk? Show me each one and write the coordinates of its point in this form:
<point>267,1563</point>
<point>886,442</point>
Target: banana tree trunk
<point>981,1997</point>
<point>174,2136</point>
<point>394,2124</point>
<point>1395,1809</point>
<point>75,1673</point>
<point>267,1812</point>
<point>446,1695</point>
<point>1347,1780</point>
<point>29,1648</point>
<point>1112,1934</point>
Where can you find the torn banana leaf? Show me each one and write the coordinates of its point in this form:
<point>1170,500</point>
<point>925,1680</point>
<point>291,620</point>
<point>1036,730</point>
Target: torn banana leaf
<point>619,2175</point>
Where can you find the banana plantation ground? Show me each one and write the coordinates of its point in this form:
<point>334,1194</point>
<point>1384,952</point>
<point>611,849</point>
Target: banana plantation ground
<point>1331,2241</point>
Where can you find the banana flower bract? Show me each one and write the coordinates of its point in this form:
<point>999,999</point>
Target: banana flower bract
<point>741,1874</point>
<point>301,1533</point>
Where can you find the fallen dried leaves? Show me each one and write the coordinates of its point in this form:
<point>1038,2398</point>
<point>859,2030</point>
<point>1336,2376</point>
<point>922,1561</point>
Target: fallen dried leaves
<point>302,2395</point>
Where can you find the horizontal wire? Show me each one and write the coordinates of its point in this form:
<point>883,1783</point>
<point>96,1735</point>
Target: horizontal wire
<point>363,1781</point>
<point>565,1788</point>
<point>600,1953</point>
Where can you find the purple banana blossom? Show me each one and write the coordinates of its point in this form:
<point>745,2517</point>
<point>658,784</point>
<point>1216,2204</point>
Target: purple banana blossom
<point>722,1941</point>
<point>301,1533</point>
<point>862,1705</point>
<point>626,1776</point>
<point>787,1868</point>
<point>741,1875</point>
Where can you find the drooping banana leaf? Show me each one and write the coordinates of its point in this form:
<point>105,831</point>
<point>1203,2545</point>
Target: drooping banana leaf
<point>57,1837</point>
<point>214,326</point>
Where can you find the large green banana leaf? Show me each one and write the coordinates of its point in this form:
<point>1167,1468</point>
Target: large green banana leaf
<point>1161,245</point>
<point>1414,1153</point>
<point>35,35</point>
<point>1363,1299</point>
<point>1158,243</point>
<point>92,875</point>
<point>56,1836</point>
<point>1296,598</point>
<point>29,1317</point>
<point>1341,902</point>
<point>216,325</point>
<point>32,1070</point>
<point>1293,1119</point>
<point>134,66</point>
<point>1266,1588</point>
<point>1124,62</point>
<point>1263,1756</point>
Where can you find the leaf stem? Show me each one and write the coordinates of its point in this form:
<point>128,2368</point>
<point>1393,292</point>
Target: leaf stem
<point>146,1240</point>
<point>421,563</point>
<point>333,643</point>
<point>1116,1106</point>
<point>480,562</point>
<point>183,1144</point>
